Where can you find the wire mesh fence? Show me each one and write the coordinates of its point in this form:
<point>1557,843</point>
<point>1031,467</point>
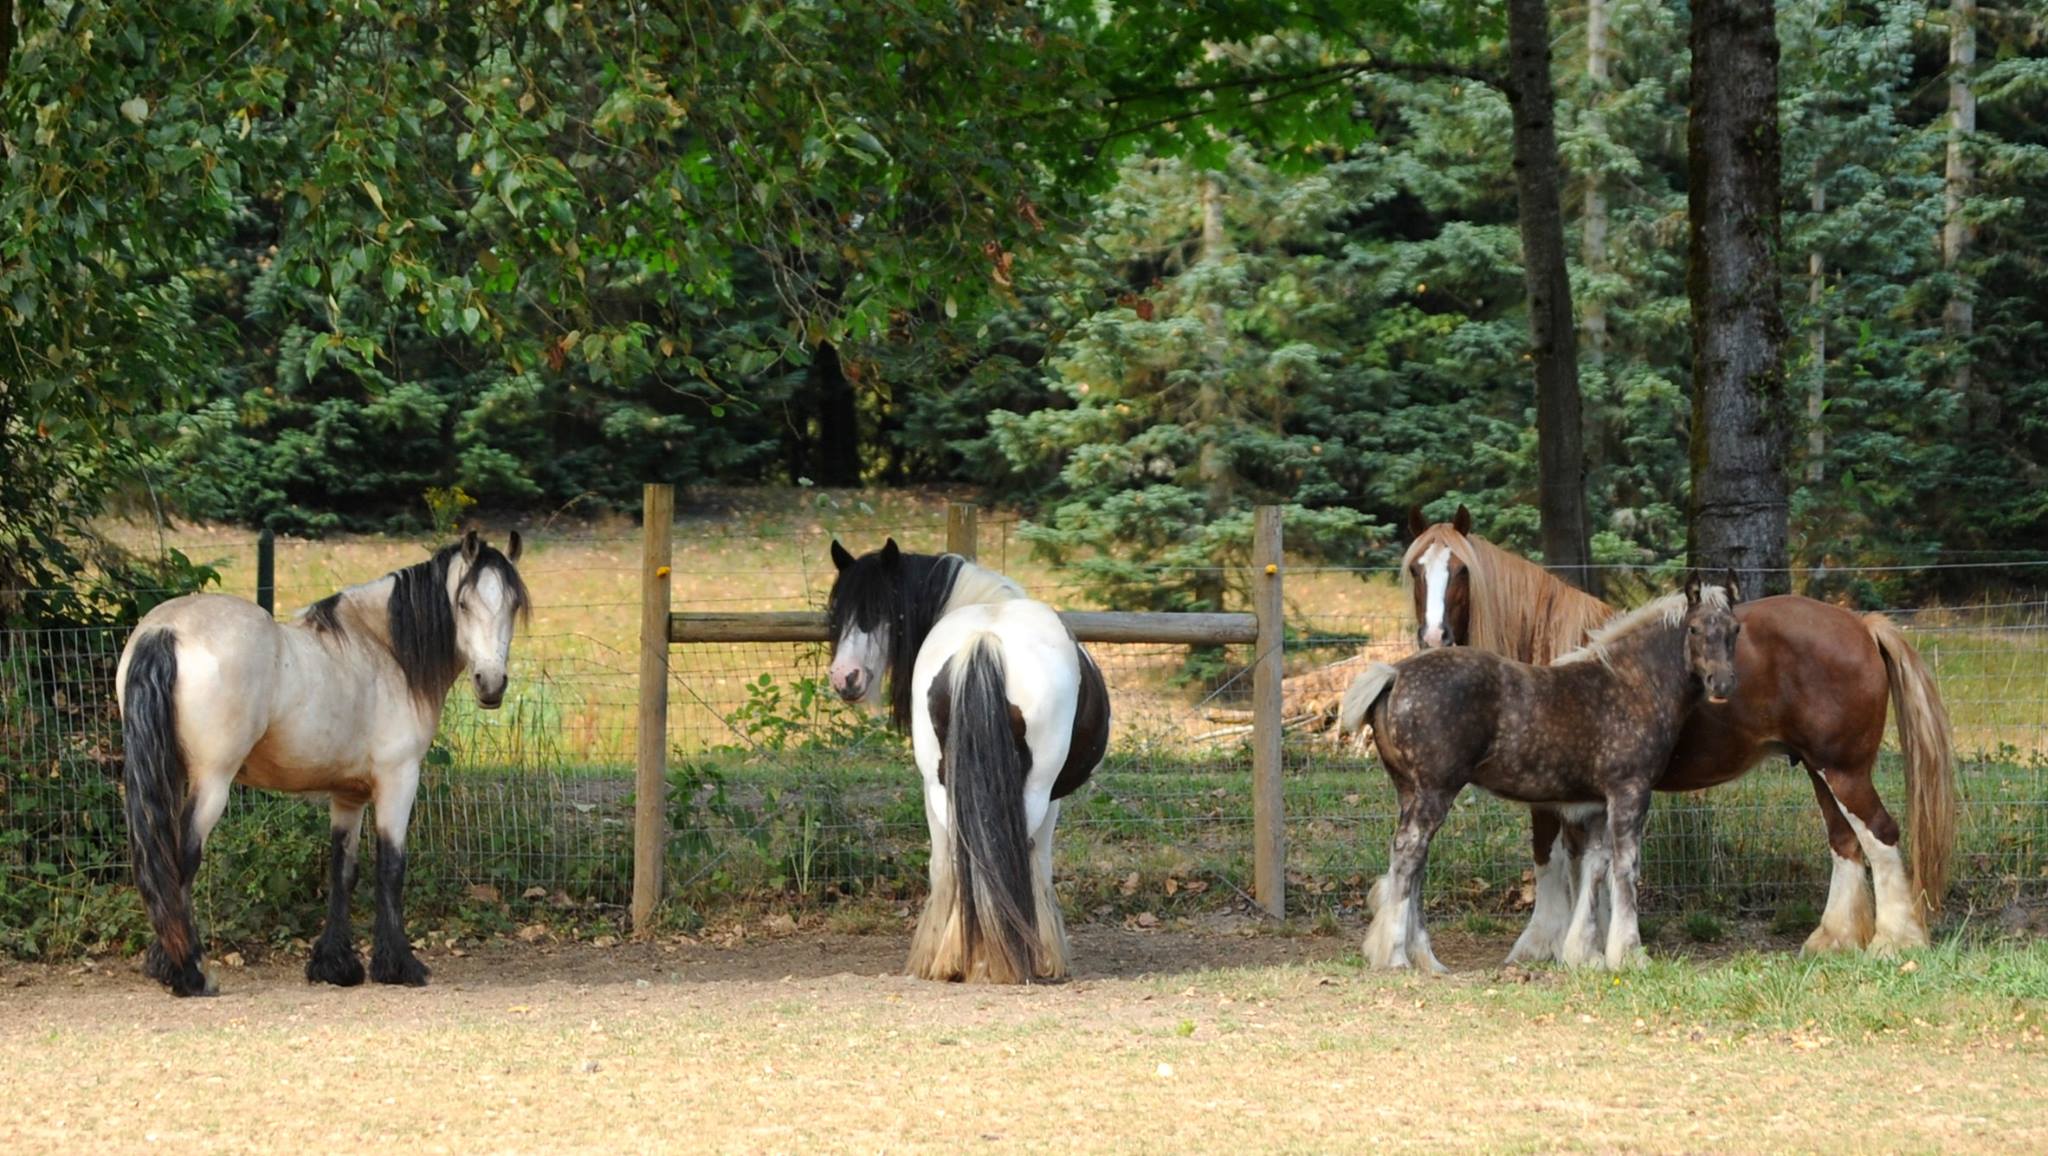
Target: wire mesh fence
<point>780,793</point>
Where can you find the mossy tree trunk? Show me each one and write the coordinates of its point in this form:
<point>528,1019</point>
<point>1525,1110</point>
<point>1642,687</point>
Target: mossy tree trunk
<point>1739,417</point>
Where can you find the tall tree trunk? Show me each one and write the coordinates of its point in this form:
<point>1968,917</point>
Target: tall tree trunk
<point>6,39</point>
<point>1593,236</point>
<point>1959,319</point>
<point>1738,328</point>
<point>1218,484</point>
<point>1560,431</point>
<point>838,460</point>
<point>1817,347</point>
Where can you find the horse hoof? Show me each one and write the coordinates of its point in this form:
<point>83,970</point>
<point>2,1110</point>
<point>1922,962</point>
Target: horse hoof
<point>183,980</point>
<point>406,972</point>
<point>1532,952</point>
<point>1826,940</point>
<point>196,982</point>
<point>1582,957</point>
<point>1633,959</point>
<point>1889,942</point>
<point>342,968</point>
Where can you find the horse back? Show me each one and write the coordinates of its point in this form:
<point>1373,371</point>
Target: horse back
<point>1443,712</point>
<point>1043,678</point>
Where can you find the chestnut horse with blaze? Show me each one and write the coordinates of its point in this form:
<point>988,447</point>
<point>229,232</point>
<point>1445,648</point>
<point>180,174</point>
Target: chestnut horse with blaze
<point>1812,681</point>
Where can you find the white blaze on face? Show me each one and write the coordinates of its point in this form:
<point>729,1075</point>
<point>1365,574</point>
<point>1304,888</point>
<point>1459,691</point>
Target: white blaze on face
<point>1436,583</point>
<point>857,662</point>
<point>483,630</point>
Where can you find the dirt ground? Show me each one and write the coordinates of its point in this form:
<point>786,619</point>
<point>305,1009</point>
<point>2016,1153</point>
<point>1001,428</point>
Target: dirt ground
<point>1178,1042</point>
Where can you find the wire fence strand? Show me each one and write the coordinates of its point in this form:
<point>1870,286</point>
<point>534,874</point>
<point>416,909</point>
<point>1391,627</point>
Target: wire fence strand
<point>778,790</point>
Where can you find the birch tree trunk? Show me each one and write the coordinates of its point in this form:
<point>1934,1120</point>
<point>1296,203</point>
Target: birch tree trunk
<point>1213,465</point>
<point>1817,347</point>
<point>1959,319</point>
<point>1593,237</point>
<point>1560,431</point>
<point>1738,329</point>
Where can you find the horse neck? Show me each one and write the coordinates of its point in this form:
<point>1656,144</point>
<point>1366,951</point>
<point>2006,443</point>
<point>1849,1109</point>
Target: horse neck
<point>363,610</point>
<point>977,585</point>
<point>939,585</point>
<point>365,615</point>
<point>1525,612</point>
<point>1650,660</point>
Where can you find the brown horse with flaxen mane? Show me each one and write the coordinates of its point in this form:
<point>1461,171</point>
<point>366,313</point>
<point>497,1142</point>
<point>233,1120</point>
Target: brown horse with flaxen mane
<point>1811,684</point>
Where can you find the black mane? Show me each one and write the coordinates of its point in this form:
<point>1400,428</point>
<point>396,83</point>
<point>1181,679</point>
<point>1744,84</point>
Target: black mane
<point>906,592</point>
<point>422,616</point>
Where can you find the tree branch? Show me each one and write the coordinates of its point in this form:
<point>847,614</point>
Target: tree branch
<point>1328,72</point>
<point>6,39</point>
<point>1312,80</point>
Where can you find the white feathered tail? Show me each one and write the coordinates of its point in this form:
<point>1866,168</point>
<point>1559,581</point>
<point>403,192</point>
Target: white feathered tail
<point>1364,691</point>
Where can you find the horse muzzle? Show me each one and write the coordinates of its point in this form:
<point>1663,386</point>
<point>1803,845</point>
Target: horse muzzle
<point>852,688</point>
<point>492,697</point>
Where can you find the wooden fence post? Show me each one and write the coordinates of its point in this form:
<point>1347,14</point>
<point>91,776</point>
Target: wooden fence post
<point>266,572</point>
<point>961,529</point>
<point>650,778</point>
<point>1269,822</point>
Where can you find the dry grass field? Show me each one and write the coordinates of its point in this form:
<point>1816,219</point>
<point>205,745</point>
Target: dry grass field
<point>1204,1040</point>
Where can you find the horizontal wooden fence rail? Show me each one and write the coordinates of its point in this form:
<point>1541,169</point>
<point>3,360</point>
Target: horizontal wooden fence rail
<point>1088,626</point>
<point>1260,629</point>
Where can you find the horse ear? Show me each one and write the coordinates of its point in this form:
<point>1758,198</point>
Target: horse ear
<point>512,547</point>
<point>1462,520</point>
<point>1416,524</point>
<point>891,553</point>
<point>470,544</point>
<point>1734,588</point>
<point>1692,588</point>
<point>840,558</point>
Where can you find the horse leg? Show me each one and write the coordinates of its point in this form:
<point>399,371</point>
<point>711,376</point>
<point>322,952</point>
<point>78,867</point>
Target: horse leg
<point>1052,929</point>
<point>1628,812</point>
<point>1846,923</point>
<point>203,809</point>
<point>938,949</point>
<point>334,958</point>
<point>1396,937</point>
<point>1543,938</point>
<point>1582,936</point>
<point>391,957</point>
<point>1419,951</point>
<point>1898,916</point>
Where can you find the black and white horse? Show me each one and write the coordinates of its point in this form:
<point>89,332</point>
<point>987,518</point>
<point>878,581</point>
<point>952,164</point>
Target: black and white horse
<point>1007,716</point>
<point>344,699</point>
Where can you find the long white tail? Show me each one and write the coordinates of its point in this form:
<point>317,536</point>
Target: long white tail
<point>1359,697</point>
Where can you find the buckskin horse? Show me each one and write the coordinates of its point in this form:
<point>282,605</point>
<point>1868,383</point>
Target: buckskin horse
<point>344,700</point>
<point>1007,716</point>
<point>1586,736</point>
<point>1812,682</point>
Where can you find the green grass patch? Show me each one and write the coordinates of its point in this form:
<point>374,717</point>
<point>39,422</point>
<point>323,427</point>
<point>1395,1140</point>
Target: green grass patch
<point>1969,984</point>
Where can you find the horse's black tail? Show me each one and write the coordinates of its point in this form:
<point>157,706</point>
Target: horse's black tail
<point>155,777</point>
<point>986,764</point>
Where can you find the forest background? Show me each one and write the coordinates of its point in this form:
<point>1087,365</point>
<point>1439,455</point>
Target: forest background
<point>1130,268</point>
